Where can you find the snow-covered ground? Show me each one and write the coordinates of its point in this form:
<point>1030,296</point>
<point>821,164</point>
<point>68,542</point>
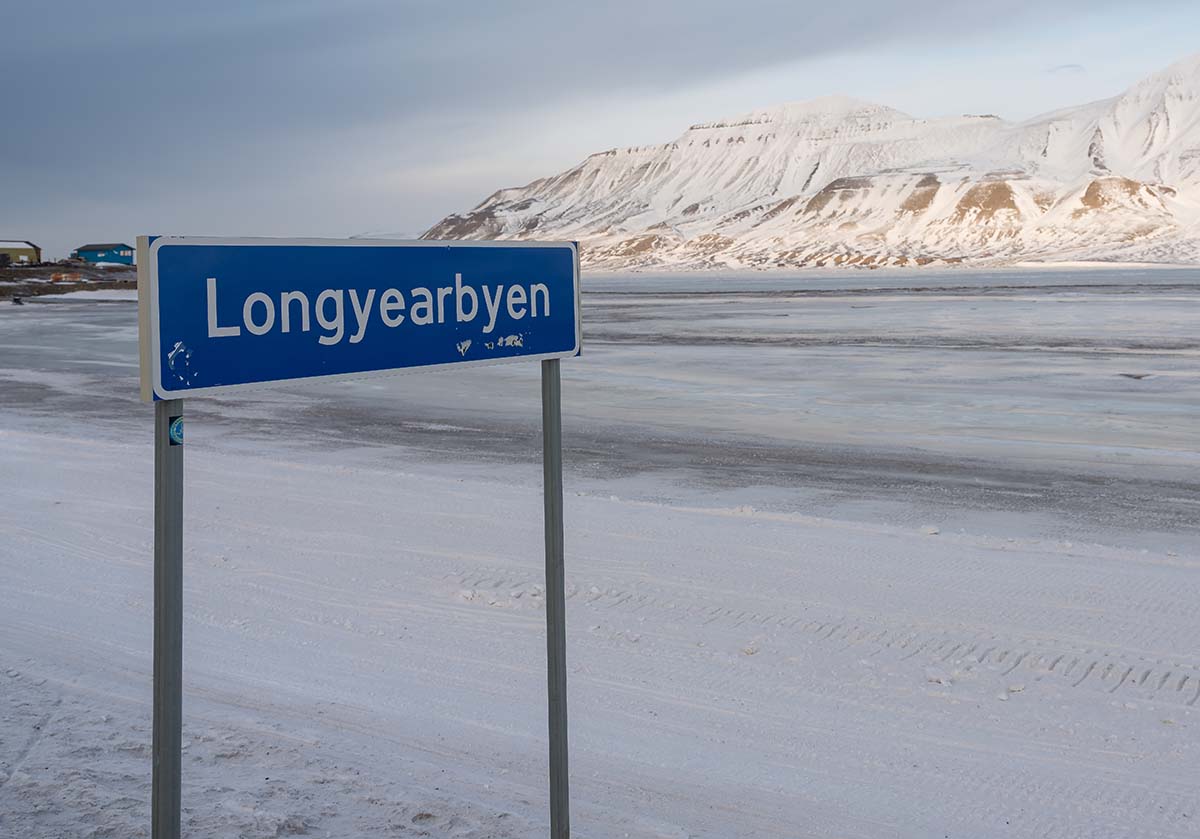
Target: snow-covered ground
<point>873,556</point>
<point>107,294</point>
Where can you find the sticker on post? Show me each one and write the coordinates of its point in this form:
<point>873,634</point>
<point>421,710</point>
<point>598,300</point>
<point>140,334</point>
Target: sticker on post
<point>175,431</point>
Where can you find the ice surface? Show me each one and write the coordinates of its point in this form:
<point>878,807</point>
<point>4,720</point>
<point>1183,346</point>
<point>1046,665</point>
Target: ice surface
<point>845,557</point>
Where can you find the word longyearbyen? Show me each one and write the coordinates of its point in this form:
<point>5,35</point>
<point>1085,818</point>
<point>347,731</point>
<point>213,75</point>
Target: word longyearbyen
<point>295,311</point>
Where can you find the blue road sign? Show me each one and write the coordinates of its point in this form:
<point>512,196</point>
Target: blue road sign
<point>218,314</point>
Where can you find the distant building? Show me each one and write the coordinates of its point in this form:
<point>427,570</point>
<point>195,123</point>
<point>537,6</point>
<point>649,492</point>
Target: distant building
<point>16,253</point>
<point>116,252</point>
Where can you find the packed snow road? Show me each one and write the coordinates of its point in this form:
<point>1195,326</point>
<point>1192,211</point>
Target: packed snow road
<point>848,556</point>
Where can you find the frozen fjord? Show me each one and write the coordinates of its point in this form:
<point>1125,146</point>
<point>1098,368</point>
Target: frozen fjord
<point>764,641</point>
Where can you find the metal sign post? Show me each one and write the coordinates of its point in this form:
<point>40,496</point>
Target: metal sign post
<point>221,315</point>
<point>556,605</point>
<point>168,617</point>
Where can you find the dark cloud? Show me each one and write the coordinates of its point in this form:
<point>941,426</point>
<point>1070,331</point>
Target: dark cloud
<point>137,105</point>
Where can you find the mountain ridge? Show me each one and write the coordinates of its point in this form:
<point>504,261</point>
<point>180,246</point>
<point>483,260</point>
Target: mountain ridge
<point>841,181</point>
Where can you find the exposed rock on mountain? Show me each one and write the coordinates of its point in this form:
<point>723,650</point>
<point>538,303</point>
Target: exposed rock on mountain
<point>836,181</point>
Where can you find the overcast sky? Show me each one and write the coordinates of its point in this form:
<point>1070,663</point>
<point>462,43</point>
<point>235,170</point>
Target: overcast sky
<point>322,118</point>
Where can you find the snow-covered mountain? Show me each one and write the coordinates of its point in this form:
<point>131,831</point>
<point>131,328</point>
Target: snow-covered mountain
<point>836,181</point>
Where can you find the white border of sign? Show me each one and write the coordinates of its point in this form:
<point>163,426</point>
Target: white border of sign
<point>148,328</point>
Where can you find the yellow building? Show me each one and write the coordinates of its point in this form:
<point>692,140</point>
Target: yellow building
<point>19,253</point>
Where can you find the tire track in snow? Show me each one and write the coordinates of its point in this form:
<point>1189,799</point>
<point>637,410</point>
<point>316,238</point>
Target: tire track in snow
<point>1088,668</point>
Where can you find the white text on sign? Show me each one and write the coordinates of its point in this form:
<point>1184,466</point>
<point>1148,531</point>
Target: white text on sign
<point>424,306</point>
